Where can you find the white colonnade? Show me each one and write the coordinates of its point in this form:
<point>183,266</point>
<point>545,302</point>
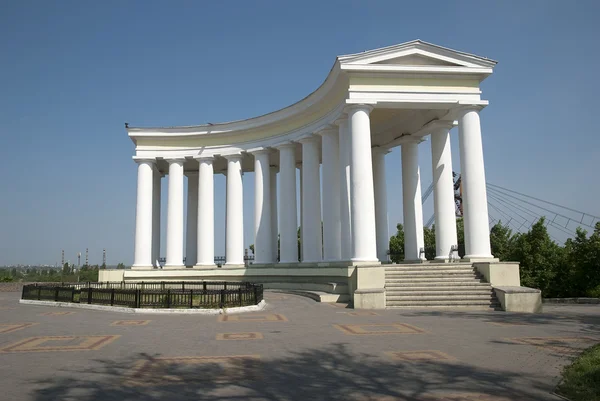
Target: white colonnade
<point>353,225</point>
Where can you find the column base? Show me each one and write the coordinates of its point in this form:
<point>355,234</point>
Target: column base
<point>204,267</point>
<point>363,262</point>
<point>480,258</point>
<point>142,267</point>
<point>233,266</point>
<point>174,267</point>
<point>412,262</point>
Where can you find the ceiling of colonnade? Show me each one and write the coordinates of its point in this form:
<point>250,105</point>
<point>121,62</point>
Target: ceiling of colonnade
<point>387,125</point>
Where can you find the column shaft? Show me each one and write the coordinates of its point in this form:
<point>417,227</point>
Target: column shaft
<point>234,241</point>
<point>263,252</point>
<point>191,237</point>
<point>175,215</point>
<point>411,199</point>
<point>381,213</point>
<point>331,196</point>
<point>362,199</point>
<point>443,194</point>
<point>274,219</point>
<point>142,258</point>
<point>344,160</point>
<point>289,210</point>
<point>475,209</point>
<point>206,219</point>
<point>312,248</point>
<point>156,195</point>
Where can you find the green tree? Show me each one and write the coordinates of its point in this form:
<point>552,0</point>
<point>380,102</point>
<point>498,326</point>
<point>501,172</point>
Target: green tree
<point>121,266</point>
<point>540,257</point>
<point>396,245</point>
<point>500,241</point>
<point>429,241</point>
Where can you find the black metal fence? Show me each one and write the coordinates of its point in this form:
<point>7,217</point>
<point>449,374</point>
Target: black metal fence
<point>163,294</point>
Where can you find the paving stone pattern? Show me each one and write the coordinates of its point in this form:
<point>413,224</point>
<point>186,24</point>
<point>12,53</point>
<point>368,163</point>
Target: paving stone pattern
<point>295,349</point>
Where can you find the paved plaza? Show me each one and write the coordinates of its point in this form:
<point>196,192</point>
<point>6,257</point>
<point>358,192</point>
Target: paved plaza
<point>295,349</point>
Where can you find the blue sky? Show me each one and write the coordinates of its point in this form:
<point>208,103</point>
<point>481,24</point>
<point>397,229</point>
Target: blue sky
<point>73,72</point>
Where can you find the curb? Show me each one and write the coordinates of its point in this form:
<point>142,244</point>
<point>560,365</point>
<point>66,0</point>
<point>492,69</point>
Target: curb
<point>122,309</point>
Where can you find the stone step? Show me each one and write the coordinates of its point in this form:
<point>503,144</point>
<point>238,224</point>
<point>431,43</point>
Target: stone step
<point>437,297</point>
<point>447,302</point>
<point>467,306</point>
<point>432,273</point>
<point>435,286</point>
<point>468,276</point>
<point>442,292</point>
<point>429,269</point>
<point>427,264</point>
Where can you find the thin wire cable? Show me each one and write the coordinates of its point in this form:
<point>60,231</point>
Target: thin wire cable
<point>555,225</point>
<point>541,200</point>
<point>558,227</point>
<point>551,211</point>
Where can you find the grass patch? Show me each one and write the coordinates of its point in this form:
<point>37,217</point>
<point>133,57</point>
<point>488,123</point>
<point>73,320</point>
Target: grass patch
<point>581,379</point>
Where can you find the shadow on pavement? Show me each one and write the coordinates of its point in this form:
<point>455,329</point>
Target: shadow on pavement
<point>331,373</point>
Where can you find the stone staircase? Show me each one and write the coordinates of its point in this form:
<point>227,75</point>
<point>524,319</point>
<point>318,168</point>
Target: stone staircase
<point>438,285</point>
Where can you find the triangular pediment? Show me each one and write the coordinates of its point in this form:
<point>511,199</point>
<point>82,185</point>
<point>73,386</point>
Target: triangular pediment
<point>418,54</point>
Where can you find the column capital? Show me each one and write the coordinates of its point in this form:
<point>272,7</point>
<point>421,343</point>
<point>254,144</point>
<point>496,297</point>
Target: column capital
<point>285,145</point>
<point>259,151</point>
<point>380,150</point>
<point>177,160</point>
<point>309,139</point>
<point>462,109</point>
<point>204,159</point>
<point>342,119</point>
<point>441,126</point>
<point>327,130</point>
<point>409,139</point>
<point>139,159</point>
<point>233,156</point>
<point>274,168</point>
<point>367,108</point>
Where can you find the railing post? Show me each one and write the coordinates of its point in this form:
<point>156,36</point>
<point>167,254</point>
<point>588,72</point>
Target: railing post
<point>240,295</point>
<point>191,299</point>
<point>183,285</point>
<point>112,297</point>
<point>89,295</point>
<point>138,294</point>
<point>56,294</point>
<point>225,285</point>
<point>222,304</point>
<point>255,295</point>
<point>204,285</point>
<point>39,293</point>
<point>72,294</point>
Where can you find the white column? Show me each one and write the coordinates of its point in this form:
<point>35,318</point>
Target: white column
<point>312,249</point>
<point>263,252</point>
<point>175,215</point>
<point>331,195</point>
<point>411,199</point>
<point>381,213</point>
<point>301,214</point>
<point>474,194</point>
<point>288,212</point>
<point>274,221</point>
<point>362,198</point>
<point>191,236</point>
<point>344,167</point>
<point>206,219</point>
<point>142,258</point>
<point>234,241</point>
<point>443,193</point>
<point>156,194</point>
